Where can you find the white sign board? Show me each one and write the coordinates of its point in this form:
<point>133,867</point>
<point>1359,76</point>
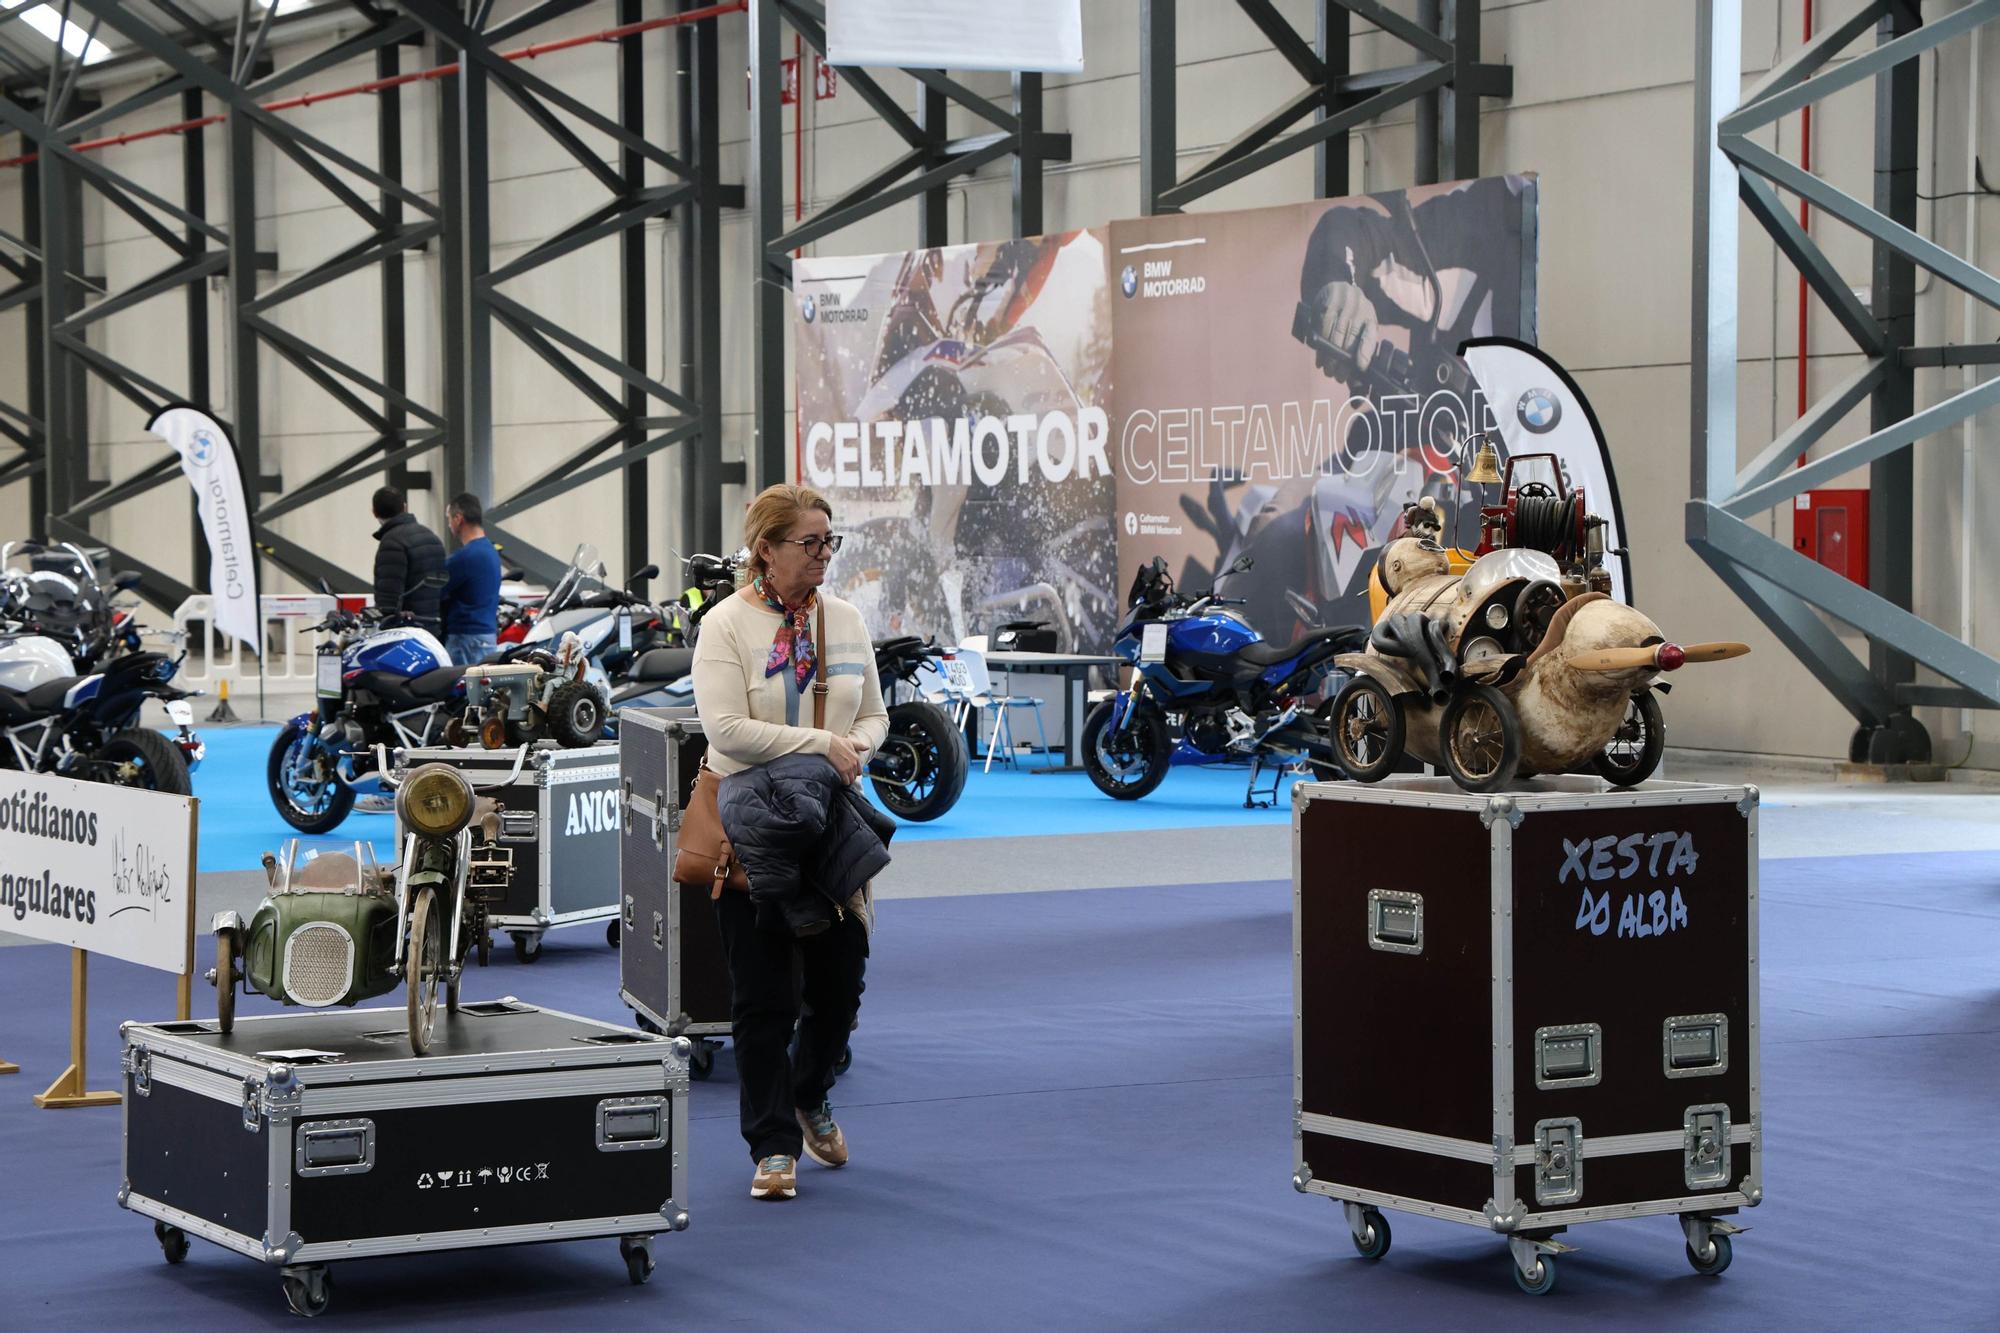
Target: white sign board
<point>97,867</point>
<point>1042,35</point>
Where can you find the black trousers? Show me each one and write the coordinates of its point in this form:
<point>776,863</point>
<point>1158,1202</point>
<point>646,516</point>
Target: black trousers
<point>770,974</point>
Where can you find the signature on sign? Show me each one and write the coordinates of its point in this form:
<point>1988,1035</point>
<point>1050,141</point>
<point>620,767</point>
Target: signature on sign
<point>139,879</point>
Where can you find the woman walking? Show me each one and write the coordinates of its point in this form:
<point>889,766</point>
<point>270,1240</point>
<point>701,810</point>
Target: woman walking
<point>755,666</point>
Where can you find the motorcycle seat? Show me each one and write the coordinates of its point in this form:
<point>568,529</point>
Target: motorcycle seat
<point>435,684</point>
<point>46,697</point>
<point>663,664</point>
<point>1267,653</point>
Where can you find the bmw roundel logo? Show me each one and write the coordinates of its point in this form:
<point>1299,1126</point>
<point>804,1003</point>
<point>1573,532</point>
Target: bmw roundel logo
<point>1539,411</point>
<point>809,308</point>
<point>202,448</point>
<point>1128,281</point>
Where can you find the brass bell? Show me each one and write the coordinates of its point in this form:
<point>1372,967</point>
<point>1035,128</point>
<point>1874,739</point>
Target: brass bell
<point>1485,465</point>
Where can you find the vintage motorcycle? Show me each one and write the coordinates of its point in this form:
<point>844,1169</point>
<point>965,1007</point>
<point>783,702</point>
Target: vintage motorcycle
<point>1201,672</point>
<point>381,686</point>
<point>338,928</point>
<point>69,603</point>
<point>615,625</point>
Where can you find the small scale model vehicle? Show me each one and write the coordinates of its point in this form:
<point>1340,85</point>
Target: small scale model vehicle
<point>338,928</point>
<point>1522,664</point>
<point>538,695</point>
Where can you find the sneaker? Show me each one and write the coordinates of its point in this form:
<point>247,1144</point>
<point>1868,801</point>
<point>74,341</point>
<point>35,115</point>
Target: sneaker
<point>777,1178</point>
<point>375,803</point>
<point>825,1143</point>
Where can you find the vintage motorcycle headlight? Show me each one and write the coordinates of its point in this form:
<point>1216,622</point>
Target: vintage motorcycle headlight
<point>435,801</point>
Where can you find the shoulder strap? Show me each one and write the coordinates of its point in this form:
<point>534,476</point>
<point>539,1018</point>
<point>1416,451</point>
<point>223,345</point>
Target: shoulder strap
<point>819,665</point>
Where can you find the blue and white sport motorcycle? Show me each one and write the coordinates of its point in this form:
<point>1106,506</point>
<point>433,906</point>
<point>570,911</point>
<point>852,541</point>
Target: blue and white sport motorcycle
<point>1207,689</point>
<point>381,687</point>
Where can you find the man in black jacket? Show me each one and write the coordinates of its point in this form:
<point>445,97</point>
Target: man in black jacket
<point>409,562</point>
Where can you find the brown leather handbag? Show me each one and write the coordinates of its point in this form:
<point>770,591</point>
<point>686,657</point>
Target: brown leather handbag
<point>702,854</point>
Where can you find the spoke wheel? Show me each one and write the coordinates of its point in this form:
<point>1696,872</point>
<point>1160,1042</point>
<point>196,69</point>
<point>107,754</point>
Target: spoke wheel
<point>1634,750</point>
<point>1479,739</point>
<point>1366,728</point>
<point>423,969</point>
<point>225,980</point>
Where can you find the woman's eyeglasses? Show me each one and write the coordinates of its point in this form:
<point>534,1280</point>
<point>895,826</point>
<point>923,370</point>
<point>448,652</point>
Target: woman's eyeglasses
<point>816,546</point>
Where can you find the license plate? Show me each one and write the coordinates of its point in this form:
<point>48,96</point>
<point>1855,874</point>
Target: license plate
<point>328,677</point>
<point>1153,644</point>
<point>180,712</point>
<point>959,674</point>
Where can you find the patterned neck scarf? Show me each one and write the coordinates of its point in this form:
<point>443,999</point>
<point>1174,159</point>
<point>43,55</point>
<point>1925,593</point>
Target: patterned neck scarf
<point>794,641</point>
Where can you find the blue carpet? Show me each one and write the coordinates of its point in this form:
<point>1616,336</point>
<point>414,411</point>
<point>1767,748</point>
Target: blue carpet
<point>1072,1111</point>
<point>239,823</point>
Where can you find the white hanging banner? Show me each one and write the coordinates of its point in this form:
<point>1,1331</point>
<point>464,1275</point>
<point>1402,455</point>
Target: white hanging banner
<point>208,458</point>
<point>1045,35</point>
<point>98,867</point>
<point>1540,410</point>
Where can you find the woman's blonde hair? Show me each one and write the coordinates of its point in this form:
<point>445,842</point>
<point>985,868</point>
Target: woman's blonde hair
<point>772,515</point>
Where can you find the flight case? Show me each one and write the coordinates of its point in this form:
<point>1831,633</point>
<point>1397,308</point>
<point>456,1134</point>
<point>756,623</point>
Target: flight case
<point>1528,1010</point>
<point>302,1138</point>
<point>559,813</point>
<point>671,968</point>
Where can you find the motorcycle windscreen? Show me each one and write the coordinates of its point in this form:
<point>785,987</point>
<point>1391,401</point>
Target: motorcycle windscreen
<point>1540,410</point>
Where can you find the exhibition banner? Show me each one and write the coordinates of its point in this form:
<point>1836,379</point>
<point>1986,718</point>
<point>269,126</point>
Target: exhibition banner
<point>100,868</point>
<point>208,459</point>
<point>1009,430</point>
<point>1044,35</point>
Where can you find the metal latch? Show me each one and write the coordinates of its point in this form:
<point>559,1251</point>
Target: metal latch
<point>630,914</point>
<point>1569,1057</point>
<point>1705,1146</point>
<point>1395,921</point>
<point>628,1123</point>
<point>625,811</point>
<point>659,930</point>
<point>139,1064</point>
<point>1695,1044</point>
<point>1558,1161</point>
<point>659,819</point>
<point>334,1148</point>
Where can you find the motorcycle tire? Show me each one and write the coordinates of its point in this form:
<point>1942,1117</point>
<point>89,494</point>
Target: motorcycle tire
<point>225,981</point>
<point>340,800</point>
<point>155,763</point>
<point>1149,746</point>
<point>423,967</point>
<point>576,714</point>
<point>922,732</point>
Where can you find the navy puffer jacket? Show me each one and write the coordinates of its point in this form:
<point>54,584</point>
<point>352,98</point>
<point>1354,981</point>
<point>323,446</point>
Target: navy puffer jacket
<point>808,841</point>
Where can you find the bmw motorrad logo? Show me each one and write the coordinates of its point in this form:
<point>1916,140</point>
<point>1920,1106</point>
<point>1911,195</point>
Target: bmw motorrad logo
<point>202,448</point>
<point>809,308</point>
<point>1539,411</point>
<point>1128,281</point>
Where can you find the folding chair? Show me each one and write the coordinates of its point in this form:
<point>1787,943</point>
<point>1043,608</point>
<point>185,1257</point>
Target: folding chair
<point>976,683</point>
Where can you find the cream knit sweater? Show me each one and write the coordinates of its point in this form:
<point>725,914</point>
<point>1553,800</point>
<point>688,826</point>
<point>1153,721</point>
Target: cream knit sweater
<point>750,718</point>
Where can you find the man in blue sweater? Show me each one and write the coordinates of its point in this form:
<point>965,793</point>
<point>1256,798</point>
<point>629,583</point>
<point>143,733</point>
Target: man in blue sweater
<point>471,600</point>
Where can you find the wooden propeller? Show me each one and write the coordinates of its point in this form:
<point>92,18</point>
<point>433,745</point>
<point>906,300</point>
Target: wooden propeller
<point>1663,657</point>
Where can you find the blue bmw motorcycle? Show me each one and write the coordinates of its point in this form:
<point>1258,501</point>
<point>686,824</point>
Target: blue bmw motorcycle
<point>381,687</point>
<point>1207,689</point>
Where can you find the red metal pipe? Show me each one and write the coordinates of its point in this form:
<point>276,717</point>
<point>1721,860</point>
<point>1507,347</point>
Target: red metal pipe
<point>379,85</point>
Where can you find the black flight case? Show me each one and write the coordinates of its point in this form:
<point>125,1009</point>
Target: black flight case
<point>1528,1010</point>
<point>304,1138</point>
<point>671,969</point>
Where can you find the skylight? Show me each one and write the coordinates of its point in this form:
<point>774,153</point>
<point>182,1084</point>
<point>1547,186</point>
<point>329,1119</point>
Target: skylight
<point>75,37</point>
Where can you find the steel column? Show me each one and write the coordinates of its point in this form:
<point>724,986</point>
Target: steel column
<point>194,197</point>
<point>1330,155</point>
<point>632,282</point>
<point>771,273</point>
<point>1159,108</point>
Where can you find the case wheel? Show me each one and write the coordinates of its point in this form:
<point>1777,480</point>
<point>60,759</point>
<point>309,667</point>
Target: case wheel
<point>701,1061</point>
<point>527,946</point>
<point>646,1024</point>
<point>1542,1280</point>
<point>1719,1255</point>
<point>1372,1241</point>
<point>173,1241</point>
<point>309,1290</point>
<point>611,933</point>
<point>638,1254</point>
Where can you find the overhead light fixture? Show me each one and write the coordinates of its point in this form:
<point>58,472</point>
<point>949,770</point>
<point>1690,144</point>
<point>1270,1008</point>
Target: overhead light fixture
<point>75,37</point>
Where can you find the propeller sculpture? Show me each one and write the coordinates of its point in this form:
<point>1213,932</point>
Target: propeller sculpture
<point>1502,673</point>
